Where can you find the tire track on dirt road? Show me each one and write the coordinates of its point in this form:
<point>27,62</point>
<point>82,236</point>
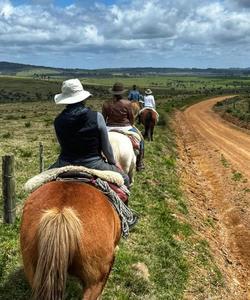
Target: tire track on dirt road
<point>214,160</point>
<point>232,142</point>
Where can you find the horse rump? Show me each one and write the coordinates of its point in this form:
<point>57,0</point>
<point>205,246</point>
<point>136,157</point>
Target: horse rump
<point>58,223</point>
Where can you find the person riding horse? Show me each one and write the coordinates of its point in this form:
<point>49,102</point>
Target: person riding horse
<point>118,114</point>
<point>82,133</point>
<point>134,94</point>
<point>147,101</point>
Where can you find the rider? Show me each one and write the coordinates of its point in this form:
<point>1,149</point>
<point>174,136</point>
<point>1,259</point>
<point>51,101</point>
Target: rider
<point>82,133</point>
<point>134,94</point>
<point>118,114</point>
<point>147,101</point>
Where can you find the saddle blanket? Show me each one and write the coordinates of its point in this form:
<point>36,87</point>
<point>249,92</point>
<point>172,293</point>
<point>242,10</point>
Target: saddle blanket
<point>134,137</point>
<point>144,108</point>
<point>51,174</point>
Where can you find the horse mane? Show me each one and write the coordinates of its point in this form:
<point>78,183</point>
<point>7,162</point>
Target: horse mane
<point>59,237</point>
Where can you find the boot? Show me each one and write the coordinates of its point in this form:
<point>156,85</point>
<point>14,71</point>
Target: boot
<point>139,159</point>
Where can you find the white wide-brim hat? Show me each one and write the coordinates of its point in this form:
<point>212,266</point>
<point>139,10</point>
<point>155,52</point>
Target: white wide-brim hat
<point>72,92</point>
<point>148,92</point>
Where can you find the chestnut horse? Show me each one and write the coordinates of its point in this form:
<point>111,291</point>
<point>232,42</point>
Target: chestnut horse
<point>148,118</point>
<point>68,227</point>
<point>123,152</point>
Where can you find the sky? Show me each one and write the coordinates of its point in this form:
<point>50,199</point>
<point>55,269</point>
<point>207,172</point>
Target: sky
<point>126,33</point>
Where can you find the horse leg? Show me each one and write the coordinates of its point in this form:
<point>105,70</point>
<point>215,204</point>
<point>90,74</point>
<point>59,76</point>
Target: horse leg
<point>94,291</point>
<point>152,133</point>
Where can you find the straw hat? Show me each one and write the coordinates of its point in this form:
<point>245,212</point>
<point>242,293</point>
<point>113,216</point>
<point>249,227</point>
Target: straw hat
<point>117,89</point>
<point>72,92</point>
<point>148,92</point>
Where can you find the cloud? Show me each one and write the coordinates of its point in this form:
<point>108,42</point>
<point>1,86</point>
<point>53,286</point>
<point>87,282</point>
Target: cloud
<point>242,3</point>
<point>137,31</point>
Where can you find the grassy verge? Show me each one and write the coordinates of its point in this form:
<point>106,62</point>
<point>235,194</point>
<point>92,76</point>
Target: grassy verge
<point>163,242</point>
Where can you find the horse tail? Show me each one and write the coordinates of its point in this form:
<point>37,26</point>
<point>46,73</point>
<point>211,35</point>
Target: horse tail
<point>148,120</point>
<point>59,237</point>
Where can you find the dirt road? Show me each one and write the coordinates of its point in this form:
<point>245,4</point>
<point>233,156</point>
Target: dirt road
<point>215,172</point>
<point>233,143</point>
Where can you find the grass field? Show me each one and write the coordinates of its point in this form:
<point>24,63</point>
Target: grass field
<point>163,240</point>
<point>14,89</point>
<point>236,110</point>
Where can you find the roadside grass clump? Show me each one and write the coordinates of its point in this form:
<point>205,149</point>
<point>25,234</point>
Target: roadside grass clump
<point>224,162</point>
<point>237,176</point>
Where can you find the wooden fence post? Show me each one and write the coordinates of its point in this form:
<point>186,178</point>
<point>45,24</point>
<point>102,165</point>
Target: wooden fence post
<point>8,187</point>
<point>41,157</point>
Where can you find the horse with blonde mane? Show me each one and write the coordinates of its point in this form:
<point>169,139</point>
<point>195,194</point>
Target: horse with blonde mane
<point>123,152</point>
<point>135,108</point>
<point>68,227</point>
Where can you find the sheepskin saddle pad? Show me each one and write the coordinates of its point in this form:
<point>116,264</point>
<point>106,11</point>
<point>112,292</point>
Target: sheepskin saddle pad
<point>144,108</point>
<point>78,173</point>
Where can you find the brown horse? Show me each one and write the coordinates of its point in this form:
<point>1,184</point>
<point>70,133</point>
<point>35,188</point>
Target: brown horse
<point>148,118</point>
<point>68,227</point>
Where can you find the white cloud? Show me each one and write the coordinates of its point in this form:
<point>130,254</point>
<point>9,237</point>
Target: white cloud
<point>6,9</point>
<point>139,30</point>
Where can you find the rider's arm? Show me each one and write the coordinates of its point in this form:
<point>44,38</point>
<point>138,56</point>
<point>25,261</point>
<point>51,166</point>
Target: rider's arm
<point>153,101</point>
<point>104,112</point>
<point>105,144</point>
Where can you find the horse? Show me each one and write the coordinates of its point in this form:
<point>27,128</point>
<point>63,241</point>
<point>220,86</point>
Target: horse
<point>148,118</point>
<point>123,152</point>
<point>68,227</point>
<point>135,108</point>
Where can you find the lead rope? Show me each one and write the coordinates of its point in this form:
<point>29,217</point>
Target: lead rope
<point>127,216</point>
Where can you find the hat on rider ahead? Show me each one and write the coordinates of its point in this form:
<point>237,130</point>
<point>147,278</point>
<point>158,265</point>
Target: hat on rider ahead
<point>117,89</point>
<point>72,92</point>
<point>148,92</point>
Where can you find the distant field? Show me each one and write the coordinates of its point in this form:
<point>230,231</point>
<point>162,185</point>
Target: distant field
<point>176,82</point>
<point>14,89</point>
<point>30,73</point>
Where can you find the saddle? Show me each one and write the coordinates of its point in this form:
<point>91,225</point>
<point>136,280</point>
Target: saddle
<point>90,179</point>
<point>134,137</point>
<point>79,174</point>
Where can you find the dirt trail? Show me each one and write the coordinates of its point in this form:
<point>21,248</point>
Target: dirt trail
<point>215,171</point>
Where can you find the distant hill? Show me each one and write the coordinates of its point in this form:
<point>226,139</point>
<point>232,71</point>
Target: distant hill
<point>15,69</point>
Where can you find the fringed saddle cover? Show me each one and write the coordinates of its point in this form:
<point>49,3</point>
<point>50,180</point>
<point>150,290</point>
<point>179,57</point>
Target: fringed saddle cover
<point>51,174</point>
<point>144,108</point>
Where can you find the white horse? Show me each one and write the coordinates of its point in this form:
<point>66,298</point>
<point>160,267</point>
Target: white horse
<point>123,152</point>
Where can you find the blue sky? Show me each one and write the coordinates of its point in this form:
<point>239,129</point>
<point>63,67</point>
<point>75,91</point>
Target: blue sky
<point>125,33</point>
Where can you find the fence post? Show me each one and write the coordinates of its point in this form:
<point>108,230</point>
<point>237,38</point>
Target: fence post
<point>41,157</point>
<point>9,190</point>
